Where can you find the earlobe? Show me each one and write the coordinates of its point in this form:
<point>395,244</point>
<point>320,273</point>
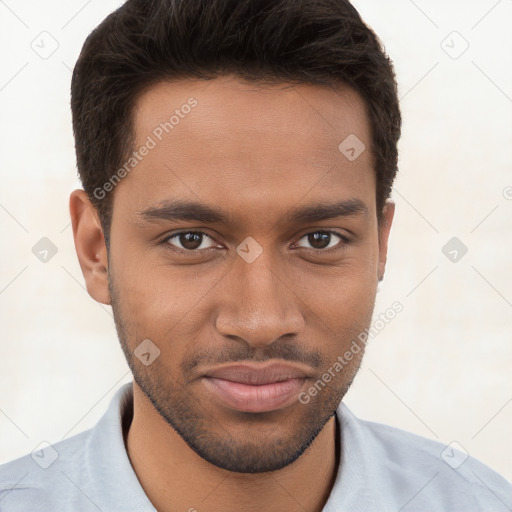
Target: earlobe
<point>388,213</point>
<point>90,245</point>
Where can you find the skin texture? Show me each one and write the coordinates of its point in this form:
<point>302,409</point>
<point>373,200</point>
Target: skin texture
<point>256,153</point>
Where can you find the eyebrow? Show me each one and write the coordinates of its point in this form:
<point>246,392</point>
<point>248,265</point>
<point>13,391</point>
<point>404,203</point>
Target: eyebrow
<point>173,210</point>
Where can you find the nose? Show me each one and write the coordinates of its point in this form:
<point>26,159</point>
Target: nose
<point>259,305</point>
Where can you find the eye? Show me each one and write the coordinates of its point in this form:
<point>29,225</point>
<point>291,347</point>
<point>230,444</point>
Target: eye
<point>189,240</point>
<point>323,240</point>
<point>194,241</point>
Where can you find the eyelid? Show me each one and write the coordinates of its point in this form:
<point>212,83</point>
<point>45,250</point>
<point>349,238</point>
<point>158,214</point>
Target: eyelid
<point>168,237</point>
<point>340,246</point>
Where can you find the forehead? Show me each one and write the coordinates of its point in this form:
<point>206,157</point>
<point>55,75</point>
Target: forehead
<point>247,146</point>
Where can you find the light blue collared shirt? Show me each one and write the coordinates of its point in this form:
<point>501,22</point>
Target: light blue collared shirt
<point>382,469</point>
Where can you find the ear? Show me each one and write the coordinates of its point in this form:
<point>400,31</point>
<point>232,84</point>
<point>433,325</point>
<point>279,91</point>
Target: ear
<point>90,245</point>
<point>388,213</point>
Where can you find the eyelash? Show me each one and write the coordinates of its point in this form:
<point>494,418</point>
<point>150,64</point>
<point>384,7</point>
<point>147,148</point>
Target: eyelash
<point>194,252</point>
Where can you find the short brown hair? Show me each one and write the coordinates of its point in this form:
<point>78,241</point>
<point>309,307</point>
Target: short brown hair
<point>323,42</point>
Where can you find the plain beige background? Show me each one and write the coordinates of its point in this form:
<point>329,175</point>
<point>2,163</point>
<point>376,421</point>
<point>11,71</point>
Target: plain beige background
<point>441,368</point>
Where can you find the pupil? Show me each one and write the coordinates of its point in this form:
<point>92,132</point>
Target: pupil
<point>190,240</point>
<point>317,240</point>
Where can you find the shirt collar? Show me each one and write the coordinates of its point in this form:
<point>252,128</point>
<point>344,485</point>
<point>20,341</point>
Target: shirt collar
<point>107,457</point>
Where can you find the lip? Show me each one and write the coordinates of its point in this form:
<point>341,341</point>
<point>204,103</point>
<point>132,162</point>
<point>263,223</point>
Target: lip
<point>256,388</point>
<point>259,374</point>
<point>254,398</point>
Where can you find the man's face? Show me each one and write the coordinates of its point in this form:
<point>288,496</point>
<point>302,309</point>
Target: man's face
<point>196,289</point>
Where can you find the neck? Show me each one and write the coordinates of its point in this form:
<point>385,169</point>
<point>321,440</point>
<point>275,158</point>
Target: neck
<point>174,477</point>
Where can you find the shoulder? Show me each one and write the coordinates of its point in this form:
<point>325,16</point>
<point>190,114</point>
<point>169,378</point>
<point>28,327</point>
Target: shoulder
<point>35,480</point>
<point>444,476</point>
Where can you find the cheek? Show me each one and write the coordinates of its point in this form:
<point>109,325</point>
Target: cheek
<point>340,294</point>
<point>338,304</point>
<point>167,302</point>
<point>161,302</point>
<point>345,311</point>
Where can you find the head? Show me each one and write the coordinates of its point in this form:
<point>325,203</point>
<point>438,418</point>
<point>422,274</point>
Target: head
<point>237,159</point>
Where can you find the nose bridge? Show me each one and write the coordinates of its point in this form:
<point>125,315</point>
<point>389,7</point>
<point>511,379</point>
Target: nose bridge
<point>259,306</point>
